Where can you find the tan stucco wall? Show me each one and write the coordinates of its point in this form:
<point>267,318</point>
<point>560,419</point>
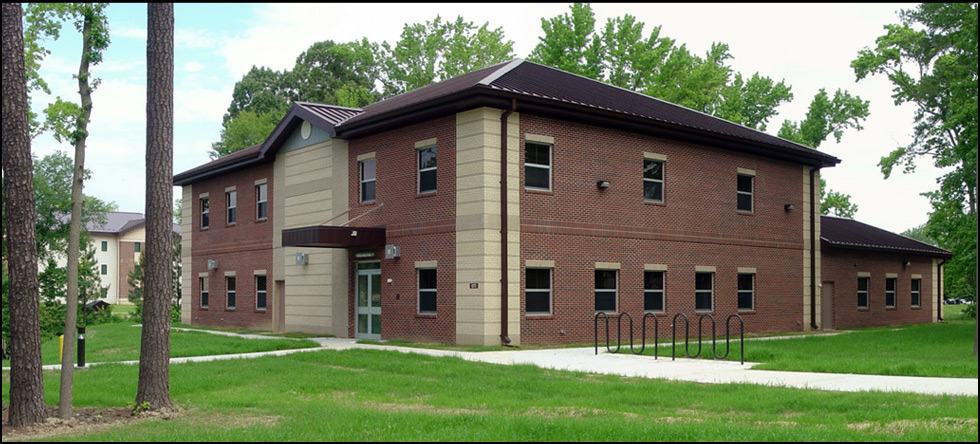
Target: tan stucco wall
<point>186,230</point>
<point>310,187</point>
<point>807,271</point>
<point>478,227</point>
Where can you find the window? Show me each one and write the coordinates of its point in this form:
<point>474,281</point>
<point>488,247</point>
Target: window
<point>205,212</point>
<point>745,189</point>
<point>537,166</point>
<point>537,291</point>
<point>916,292</point>
<point>427,170</point>
<point>105,246</point>
<point>367,167</point>
<point>261,201</point>
<point>605,290</point>
<point>204,292</point>
<point>230,288</point>
<point>863,292</point>
<point>653,291</point>
<point>231,198</point>
<point>105,269</point>
<point>704,291</point>
<point>137,247</point>
<point>260,292</point>
<point>427,291</point>
<point>746,292</point>
<point>890,292</point>
<point>653,180</point>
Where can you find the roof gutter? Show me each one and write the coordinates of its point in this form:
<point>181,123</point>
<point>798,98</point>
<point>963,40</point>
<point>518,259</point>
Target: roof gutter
<point>184,179</point>
<point>504,336</point>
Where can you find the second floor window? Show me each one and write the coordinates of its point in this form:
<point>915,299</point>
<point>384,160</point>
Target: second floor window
<point>537,166</point>
<point>105,269</point>
<point>205,212</point>
<point>105,246</point>
<point>368,181</point>
<point>653,180</point>
<point>745,191</point>
<point>232,198</point>
<point>261,201</point>
<point>427,170</point>
<point>137,247</point>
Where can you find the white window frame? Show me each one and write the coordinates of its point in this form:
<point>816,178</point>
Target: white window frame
<point>550,291</point>
<point>751,194</point>
<point>231,293</point>
<point>259,201</point>
<point>663,175</point>
<point>916,293</point>
<point>551,162</point>
<point>205,291</point>
<point>205,213</point>
<point>419,170</point>
<point>231,207</point>
<point>893,292</point>
<point>361,181</point>
<point>866,291</point>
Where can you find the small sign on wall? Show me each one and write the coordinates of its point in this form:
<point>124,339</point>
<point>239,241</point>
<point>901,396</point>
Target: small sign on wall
<point>474,286</point>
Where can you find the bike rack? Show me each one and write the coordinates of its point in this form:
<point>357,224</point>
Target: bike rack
<point>741,336</point>
<point>619,333</point>
<point>687,338</point>
<point>673,346</point>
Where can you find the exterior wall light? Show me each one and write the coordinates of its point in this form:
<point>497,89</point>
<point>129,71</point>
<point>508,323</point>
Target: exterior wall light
<point>603,184</point>
<point>789,207</point>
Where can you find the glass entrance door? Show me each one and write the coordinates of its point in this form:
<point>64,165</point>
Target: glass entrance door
<point>368,300</point>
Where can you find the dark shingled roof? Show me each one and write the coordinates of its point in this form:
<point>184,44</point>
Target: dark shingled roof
<point>847,233</point>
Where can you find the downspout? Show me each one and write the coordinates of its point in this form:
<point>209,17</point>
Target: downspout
<point>939,295</point>
<point>504,336</point>
<point>813,252</point>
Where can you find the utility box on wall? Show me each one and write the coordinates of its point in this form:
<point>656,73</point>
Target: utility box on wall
<point>392,251</point>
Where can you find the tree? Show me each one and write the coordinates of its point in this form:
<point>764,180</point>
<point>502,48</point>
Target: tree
<point>931,60</point>
<point>246,129</point>
<point>571,44</point>
<point>919,233</point>
<point>154,376</point>
<point>26,388</point>
<point>136,285</point>
<point>326,68</point>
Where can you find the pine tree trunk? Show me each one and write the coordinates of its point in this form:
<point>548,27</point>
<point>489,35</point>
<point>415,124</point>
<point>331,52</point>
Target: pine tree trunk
<point>26,388</point>
<point>75,226</point>
<point>154,377</point>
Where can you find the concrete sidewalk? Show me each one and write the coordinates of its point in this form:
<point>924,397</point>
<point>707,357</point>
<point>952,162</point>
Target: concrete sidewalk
<point>626,364</point>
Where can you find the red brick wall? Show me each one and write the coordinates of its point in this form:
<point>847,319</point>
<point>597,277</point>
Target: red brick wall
<point>841,267</point>
<point>576,225</point>
<point>422,225</point>
<point>243,248</point>
<point>127,263</point>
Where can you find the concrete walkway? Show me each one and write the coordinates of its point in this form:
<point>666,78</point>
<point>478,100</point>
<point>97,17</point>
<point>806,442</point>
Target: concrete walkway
<point>625,364</point>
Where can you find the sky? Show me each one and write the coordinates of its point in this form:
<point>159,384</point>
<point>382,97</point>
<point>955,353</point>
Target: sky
<point>809,46</point>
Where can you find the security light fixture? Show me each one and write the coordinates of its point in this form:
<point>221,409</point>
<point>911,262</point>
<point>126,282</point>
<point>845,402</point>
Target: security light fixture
<point>789,207</point>
<point>603,184</point>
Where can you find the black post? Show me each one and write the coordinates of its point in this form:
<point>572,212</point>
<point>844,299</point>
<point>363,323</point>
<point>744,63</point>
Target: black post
<point>81,347</point>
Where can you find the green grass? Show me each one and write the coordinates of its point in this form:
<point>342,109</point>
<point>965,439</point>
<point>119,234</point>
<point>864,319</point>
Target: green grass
<point>294,335</point>
<point>940,350</point>
<point>121,342</point>
<point>368,395</point>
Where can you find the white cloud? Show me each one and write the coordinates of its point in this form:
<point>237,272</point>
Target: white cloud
<point>194,67</point>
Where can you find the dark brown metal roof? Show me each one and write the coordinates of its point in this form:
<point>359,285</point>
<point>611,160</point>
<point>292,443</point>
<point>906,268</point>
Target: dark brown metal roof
<point>851,234</point>
<point>231,160</point>
<point>334,237</point>
<point>331,113</point>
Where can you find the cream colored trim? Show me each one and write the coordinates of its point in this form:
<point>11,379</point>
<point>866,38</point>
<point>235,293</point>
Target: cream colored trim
<point>746,172</point>
<point>425,264</point>
<point>916,276</point>
<point>891,275</point>
<point>367,156</point>
<point>654,267</point>
<point>655,156</point>
<point>608,266</point>
<point>261,181</point>
<point>203,275</point>
<point>704,269</point>
<point>203,196</point>
<point>864,274</point>
<point>539,138</point>
<point>229,274</point>
<point>259,273</point>
<point>229,189</point>
<point>539,264</point>
<point>746,270</point>
<point>427,143</point>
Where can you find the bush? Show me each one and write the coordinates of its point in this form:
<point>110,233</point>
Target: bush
<point>137,314</point>
<point>970,312</point>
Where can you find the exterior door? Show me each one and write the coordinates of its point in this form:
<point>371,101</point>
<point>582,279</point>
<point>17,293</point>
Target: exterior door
<point>368,287</point>
<point>827,303</point>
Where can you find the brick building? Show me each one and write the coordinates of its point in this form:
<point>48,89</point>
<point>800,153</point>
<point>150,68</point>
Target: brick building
<point>511,204</point>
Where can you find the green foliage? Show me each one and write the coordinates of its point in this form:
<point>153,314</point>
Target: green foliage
<point>135,281</point>
<point>53,283</point>
<point>931,60</point>
<point>835,203</point>
<point>571,44</point>
<point>246,129</point>
<point>261,91</point>
<point>326,68</point>
<point>752,102</point>
<point>970,312</point>
<point>919,233</point>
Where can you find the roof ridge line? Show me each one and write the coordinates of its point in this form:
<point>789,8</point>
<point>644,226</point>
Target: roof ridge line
<point>301,102</point>
<point>500,72</point>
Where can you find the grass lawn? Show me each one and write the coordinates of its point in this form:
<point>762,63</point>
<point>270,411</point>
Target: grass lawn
<point>121,342</point>
<point>368,395</point>
<point>942,350</point>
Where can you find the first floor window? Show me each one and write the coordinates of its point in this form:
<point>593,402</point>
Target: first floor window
<point>890,292</point>
<point>368,179</point>
<point>653,291</point>
<point>204,292</point>
<point>863,292</point>
<point>746,292</point>
<point>427,291</point>
<point>105,269</point>
<point>137,247</point>
<point>537,166</point>
<point>260,292</point>
<point>230,286</point>
<point>916,292</point>
<point>537,291</point>
<point>704,291</point>
<point>606,286</point>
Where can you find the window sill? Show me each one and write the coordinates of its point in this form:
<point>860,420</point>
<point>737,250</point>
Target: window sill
<point>261,310</point>
<point>863,309</point>
<point>203,309</point>
<point>207,228</point>
<point>891,308</point>
<point>426,194</point>
<point>263,220</point>
<point>655,313</point>
<point>654,203</point>
<point>916,307</point>
<point>747,312</point>
<point>231,224</point>
<point>539,316</point>
<point>230,309</point>
<point>367,204</point>
<point>426,315</point>
<point>746,213</point>
<point>539,191</point>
